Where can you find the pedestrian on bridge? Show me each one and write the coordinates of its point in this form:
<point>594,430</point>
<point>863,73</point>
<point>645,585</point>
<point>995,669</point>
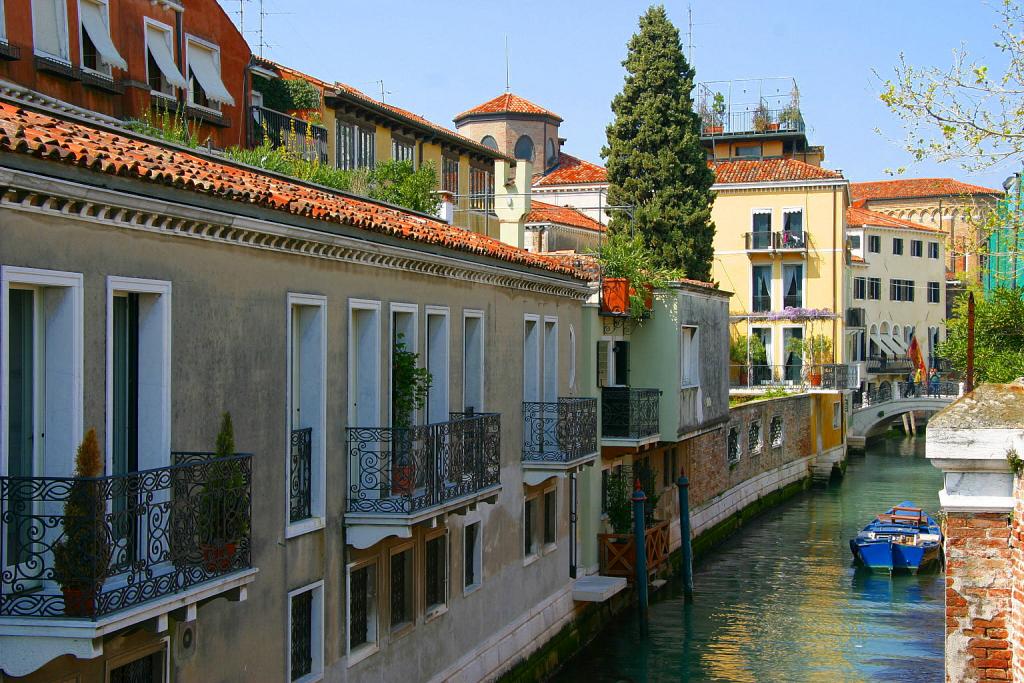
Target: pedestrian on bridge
<point>918,381</point>
<point>933,383</point>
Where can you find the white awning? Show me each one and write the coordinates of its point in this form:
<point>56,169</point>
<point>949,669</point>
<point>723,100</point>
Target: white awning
<point>95,24</point>
<point>901,345</point>
<point>887,344</point>
<point>161,51</point>
<point>202,64</point>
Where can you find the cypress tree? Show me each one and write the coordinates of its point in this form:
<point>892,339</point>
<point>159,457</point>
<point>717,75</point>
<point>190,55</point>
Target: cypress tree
<point>654,156</point>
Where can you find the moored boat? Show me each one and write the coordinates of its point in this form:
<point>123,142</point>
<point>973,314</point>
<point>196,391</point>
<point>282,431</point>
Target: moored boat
<point>904,537</point>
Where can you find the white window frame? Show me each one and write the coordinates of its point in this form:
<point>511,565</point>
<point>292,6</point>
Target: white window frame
<point>478,555</point>
<point>537,545</point>
<point>763,210</point>
<point>161,289</point>
<point>374,307</point>
<point>432,311</point>
<point>38,277</point>
<point>412,345</point>
<point>215,49</point>
<point>802,264</point>
<point>538,327</point>
<point>572,358</point>
<point>546,547</point>
<point>316,638</point>
<point>689,353</point>
<point>63,8</point>
<point>794,209</point>
<point>773,297</point>
<point>479,315</point>
<point>3,22</point>
<point>837,414</point>
<point>318,447</point>
<point>163,645</point>
<point>369,648</point>
<point>169,32</point>
<point>432,612</point>
<point>105,4</point>
<point>546,356</point>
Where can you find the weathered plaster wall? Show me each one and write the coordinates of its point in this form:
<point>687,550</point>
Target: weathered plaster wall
<point>1016,627</point>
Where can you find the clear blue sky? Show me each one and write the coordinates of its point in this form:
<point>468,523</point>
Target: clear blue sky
<point>440,57</point>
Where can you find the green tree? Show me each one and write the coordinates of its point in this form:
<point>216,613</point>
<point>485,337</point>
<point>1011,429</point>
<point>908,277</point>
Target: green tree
<point>998,336</point>
<point>398,183</point>
<point>655,160</point>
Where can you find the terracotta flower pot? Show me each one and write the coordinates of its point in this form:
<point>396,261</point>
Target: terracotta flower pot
<point>815,378</point>
<point>648,296</point>
<point>79,602</point>
<point>713,130</point>
<point>615,295</point>
<point>773,126</point>
<point>217,558</point>
<point>402,478</point>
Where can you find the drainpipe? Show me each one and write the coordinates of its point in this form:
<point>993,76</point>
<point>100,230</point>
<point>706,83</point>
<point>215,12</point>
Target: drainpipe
<point>684,533</point>
<point>640,563</point>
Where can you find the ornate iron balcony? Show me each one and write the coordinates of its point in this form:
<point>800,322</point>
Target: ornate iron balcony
<point>157,533</point>
<point>303,138</point>
<point>404,470</point>
<point>561,431</point>
<point>629,413</point>
<point>300,484</point>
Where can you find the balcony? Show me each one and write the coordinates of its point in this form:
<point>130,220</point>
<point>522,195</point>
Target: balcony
<point>400,476</point>
<point>890,365</point>
<point>753,121</point>
<point>558,437</point>
<point>854,317</point>
<point>750,107</point>
<point>793,376</point>
<point>630,417</point>
<point>780,240</point>
<point>762,303</point>
<point>302,138</point>
<point>164,539</point>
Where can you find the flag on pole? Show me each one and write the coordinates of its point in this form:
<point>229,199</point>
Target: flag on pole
<point>915,355</point>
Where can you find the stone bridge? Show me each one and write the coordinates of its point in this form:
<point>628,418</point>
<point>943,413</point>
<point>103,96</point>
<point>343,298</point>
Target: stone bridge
<point>890,402</point>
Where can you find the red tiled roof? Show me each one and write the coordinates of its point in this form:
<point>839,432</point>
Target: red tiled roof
<point>45,136</point>
<point>916,187</point>
<point>768,171</point>
<point>542,212</point>
<point>507,103</point>
<point>858,217</point>
<point>571,171</point>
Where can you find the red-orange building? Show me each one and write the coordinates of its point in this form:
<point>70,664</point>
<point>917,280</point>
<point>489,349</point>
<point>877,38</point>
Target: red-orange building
<point>127,58</point>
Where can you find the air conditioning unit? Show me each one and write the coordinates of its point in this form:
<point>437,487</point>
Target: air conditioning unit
<point>186,635</point>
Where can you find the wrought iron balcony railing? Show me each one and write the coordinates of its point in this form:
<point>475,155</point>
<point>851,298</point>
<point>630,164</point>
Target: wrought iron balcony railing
<point>889,391</point>
<point>629,413</point>
<point>793,375</point>
<point>890,364</point>
<point>300,482</point>
<point>153,534</point>
<point>560,431</point>
<point>404,470</point>
<point>762,303</point>
<point>793,301</point>
<point>303,138</point>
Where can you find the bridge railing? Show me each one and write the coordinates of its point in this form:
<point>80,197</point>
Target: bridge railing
<point>895,391</point>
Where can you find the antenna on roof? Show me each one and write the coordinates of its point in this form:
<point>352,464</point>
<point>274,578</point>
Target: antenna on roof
<point>508,88</point>
<point>689,33</point>
<point>382,90</point>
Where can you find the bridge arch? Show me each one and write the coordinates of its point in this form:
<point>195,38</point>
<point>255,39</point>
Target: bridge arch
<point>865,421</point>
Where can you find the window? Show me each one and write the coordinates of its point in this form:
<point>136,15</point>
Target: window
<point>307,412</point>
<point>855,242</point>
<point>874,288</point>
<point>550,517</point>
<point>131,668</point>
<point>472,556</point>
<point>481,189</point>
<point>437,354</point>
<point>345,147</point>
<point>402,572</point>
<point>531,359</point>
<point>793,283</point>
<point>161,70</point>
<point>362,609</point>
<point>530,527</point>
<point>489,142</point>
<point>3,23</point>
<point>761,227</point>
<point>916,248</point>
<point>754,437</point>
<point>837,415</point>
<point>901,290</point>
<point>98,51</point>
<point>933,292</point>
<point>402,150</point>
<point>473,361</point>
<point>933,250</point>
<point>437,573</point>
<point>404,337</point>
<point>366,149</point>
<point>524,148</point>
<point>550,372</point>
<point>875,244</point>
<point>50,29</point>
<point>306,633</point>
<point>364,345</point>
<point>762,287</point>
<point>206,89</point>
<point>450,174</point>
<point>572,357</point>
<point>747,151</point>
<point>733,445</point>
<point>550,152</point>
<point>689,352</point>
<point>775,431</point>
<point>860,286</point>
<point>793,221</point>
<point>897,246</point>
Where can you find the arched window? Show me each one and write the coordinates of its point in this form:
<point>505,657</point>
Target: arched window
<point>895,331</point>
<point>524,148</point>
<point>885,328</point>
<point>550,155</point>
<point>489,141</point>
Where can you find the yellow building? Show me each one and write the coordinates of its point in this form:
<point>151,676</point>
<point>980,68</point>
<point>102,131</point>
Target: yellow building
<point>779,245</point>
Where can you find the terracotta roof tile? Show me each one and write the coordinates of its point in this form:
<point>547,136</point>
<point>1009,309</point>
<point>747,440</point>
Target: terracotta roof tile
<point>858,217</point>
<point>768,171</point>
<point>916,187</point>
<point>45,136</point>
<point>542,212</point>
<point>571,171</point>
<point>507,103</point>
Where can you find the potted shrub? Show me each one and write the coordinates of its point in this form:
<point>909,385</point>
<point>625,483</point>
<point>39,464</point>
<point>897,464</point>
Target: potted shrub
<point>223,511</point>
<point>409,385</point>
<point>81,558</point>
<point>716,118</point>
<point>628,276</point>
<point>816,350</point>
<point>789,118</point>
<point>738,355</point>
<point>763,119</point>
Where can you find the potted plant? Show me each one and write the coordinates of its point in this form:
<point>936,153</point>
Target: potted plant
<point>763,119</point>
<point>81,558</point>
<point>223,511</point>
<point>409,386</point>
<point>789,118</point>
<point>817,350</point>
<point>628,276</point>
<point>716,118</point>
<point>738,355</point>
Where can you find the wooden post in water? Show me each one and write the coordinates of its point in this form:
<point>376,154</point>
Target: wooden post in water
<point>640,564</point>
<point>684,533</point>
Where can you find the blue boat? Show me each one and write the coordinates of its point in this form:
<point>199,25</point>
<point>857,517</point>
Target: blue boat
<point>905,538</point>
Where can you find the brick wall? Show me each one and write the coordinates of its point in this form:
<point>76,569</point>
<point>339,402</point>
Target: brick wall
<point>978,589</point>
<point>1017,597</point>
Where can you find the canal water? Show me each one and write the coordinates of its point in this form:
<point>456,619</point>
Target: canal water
<point>782,601</point>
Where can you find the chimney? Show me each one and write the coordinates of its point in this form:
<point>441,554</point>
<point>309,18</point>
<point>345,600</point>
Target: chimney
<point>512,199</point>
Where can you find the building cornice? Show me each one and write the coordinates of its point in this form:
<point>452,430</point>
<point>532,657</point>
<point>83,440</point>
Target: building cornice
<point>782,185</point>
<point>40,194</point>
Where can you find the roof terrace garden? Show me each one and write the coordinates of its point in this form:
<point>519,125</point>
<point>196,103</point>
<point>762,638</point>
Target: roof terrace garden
<point>750,107</point>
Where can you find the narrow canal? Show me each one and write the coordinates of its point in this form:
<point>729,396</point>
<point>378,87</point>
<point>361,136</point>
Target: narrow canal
<point>781,600</point>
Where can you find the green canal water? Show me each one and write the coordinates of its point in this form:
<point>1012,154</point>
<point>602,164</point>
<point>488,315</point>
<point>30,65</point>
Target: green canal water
<point>782,601</point>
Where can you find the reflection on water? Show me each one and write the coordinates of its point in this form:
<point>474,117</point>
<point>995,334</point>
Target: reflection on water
<point>782,601</point>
